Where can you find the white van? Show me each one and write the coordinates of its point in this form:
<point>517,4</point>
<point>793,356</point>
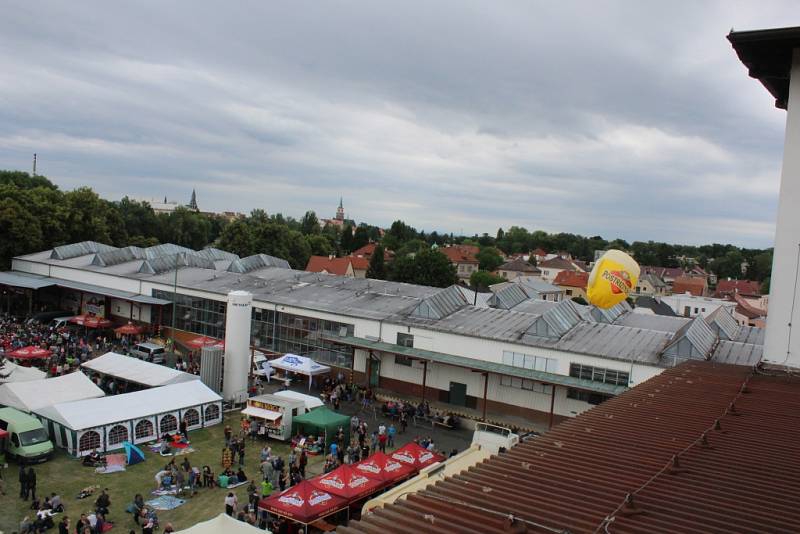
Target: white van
<point>149,352</point>
<point>59,322</point>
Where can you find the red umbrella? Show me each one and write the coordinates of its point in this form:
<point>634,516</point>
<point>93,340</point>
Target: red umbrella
<point>201,341</point>
<point>303,503</point>
<point>383,468</point>
<point>416,456</point>
<point>97,322</point>
<point>348,482</point>
<point>79,319</point>
<point>128,329</point>
<point>30,352</point>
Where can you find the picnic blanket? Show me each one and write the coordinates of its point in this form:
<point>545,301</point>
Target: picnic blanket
<point>114,464</point>
<point>175,451</point>
<point>165,502</point>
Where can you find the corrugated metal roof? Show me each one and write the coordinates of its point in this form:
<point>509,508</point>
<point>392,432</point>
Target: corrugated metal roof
<point>441,304</point>
<point>695,341</point>
<point>215,254</point>
<point>741,478</point>
<point>74,250</point>
<point>738,353</point>
<point>507,297</point>
<point>609,315</point>
<point>165,249</point>
<point>24,280</point>
<point>563,317</point>
<point>722,321</point>
<point>100,290</point>
<point>535,306</point>
<point>164,264</point>
<point>256,262</point>
<point>662,323</point>
<point>117,256</point>
<point>751,334</point>
<point>615,342</point>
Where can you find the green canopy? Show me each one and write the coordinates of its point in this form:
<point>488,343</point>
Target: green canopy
<point>323,422</point>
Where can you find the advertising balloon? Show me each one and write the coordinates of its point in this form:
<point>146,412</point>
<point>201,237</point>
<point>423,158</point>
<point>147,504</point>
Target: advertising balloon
<point>613,278</point>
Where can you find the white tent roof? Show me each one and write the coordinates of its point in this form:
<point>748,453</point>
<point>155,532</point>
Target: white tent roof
<point>35,394</point>
<point>299,364</point>
<point>89,413</point>
<point>133,369</point>
<point>223,523</point>
<point>18,373</point>
<point>310,401</point>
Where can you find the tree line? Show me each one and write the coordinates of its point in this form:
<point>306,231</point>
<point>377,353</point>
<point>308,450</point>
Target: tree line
<point>36,215</point>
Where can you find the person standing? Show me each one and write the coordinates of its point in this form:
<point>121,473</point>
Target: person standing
<point>390,433</point>
<point>31,484</point>
<point>302,462</point>
<point>23,483</point>
<point>382,438</point>
<point>230,504</point>
<point>241,450</point>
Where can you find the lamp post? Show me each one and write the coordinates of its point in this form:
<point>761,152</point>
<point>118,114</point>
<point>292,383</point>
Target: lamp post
<point>175,296</point>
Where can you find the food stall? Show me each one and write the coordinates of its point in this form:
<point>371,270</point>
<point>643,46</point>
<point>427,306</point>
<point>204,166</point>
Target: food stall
<point>276,413</point>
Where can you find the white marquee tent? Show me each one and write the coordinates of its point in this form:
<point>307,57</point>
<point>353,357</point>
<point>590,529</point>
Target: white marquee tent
<point>310,401</point>
<point>17,373</point>
<point>104,424</point>
<point>301,365</point>
<point>223,523</point>
<point>132,369</point>
<point>35,394</point>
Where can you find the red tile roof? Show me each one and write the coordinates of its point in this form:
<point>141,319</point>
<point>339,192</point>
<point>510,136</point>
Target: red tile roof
<point>734,432</point>
<point>359,263</point>
<point>519,265</point>
<point>539,252</point>
<point>460,253</point>
<point>695,285</point>
<point>572,279</point>
<point>747,309</point>
<point>743,287</point>
<point>367,250</point>
<point>318,264</point>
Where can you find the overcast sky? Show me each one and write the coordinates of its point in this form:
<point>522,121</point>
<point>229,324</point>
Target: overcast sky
<point>630,119</point>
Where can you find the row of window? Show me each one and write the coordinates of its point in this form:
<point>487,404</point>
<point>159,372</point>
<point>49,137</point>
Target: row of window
<point>586,396</point>
<point>529,361</point>
<point>598,374</point>
<point>524,383</point>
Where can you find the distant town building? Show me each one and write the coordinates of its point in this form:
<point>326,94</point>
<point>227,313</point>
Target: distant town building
<point>516,268</point>
<point>463,257</point>
<point>339,219</point>
<point>573,283</point>
<point>689,305</point>
<point>696,285</point>
<point>727,288</point>
<point>331,265</point>
<point>551,267</point>
<point>651,285</point>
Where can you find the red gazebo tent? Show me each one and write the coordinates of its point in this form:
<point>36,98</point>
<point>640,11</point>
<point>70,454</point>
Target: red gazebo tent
<point>384,468</point>
<point>128,329</point>
<point>79,319</point>
<point>30,352</point>
<point>348,482</point>
<point>303,503</point>
<point>416,456</point>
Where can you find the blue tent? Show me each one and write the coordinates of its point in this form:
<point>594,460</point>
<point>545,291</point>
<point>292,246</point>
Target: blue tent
<point>133,454</point>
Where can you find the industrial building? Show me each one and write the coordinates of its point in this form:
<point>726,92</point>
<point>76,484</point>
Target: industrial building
<point>515,353</point>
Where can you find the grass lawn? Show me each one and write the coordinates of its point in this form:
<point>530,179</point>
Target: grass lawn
<point>66,476</point>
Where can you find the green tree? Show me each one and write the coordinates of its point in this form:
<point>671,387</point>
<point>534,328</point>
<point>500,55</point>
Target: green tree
<point>481,280</point>
<point>346,242</point>
<point>428,267</point>
<point>319,245</point>
<point>309,225</point>
<point>765,286</point>
<point>238,238</point>
<point>299,250</point>
<point>489,258</point>
<point>23,180</point>
<point>360,237</point>
<point>377,267</point>
<point>397,235</point>
<point>20,230</point>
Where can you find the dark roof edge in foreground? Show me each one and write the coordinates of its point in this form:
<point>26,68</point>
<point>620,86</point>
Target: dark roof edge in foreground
<point>768,56</point>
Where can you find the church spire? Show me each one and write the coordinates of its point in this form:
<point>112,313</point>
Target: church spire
<point>340,211</point>
<point>193,201</point>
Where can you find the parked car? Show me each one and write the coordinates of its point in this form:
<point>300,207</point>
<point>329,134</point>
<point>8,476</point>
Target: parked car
<point>149,352</point>
<point>60,322</point>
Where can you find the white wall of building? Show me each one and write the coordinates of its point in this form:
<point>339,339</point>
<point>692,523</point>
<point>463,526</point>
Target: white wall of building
<point>780,346</point>
<point>696,305</point>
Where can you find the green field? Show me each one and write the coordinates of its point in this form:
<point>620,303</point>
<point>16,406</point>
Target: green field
<point>66,476</point>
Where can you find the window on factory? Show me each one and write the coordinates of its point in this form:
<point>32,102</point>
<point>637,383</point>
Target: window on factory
<point>405,340</point>
<point>529,361</point>
<point>524,383</point>
<point>399,359</point>
<point>586,396</point>
<point>598,374</point>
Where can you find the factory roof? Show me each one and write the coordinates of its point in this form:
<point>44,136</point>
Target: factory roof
<point>701,448</point>
<point>530,321</point>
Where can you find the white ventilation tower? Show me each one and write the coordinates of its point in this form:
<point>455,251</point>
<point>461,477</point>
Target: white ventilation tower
<point>237,346</point>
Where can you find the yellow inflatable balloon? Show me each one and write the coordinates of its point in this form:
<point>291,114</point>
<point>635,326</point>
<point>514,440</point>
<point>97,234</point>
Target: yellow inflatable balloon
<point>613,277</point>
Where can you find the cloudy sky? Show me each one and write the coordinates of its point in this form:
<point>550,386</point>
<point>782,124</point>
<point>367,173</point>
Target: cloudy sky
<point>631,119</point>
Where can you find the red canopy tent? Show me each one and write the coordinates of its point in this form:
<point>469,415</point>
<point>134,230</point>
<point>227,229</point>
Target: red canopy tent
<point>97,322</point>
<point>30,352</point>
<point>128,329</point>
<point>416,456</point>
<point>348,482</point>
<point>79,319</point>
<point>303,503</point>
<point>383,468</point>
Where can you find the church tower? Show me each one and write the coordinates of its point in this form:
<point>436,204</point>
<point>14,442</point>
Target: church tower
<point>340,211</point>
<point>193,202</point>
